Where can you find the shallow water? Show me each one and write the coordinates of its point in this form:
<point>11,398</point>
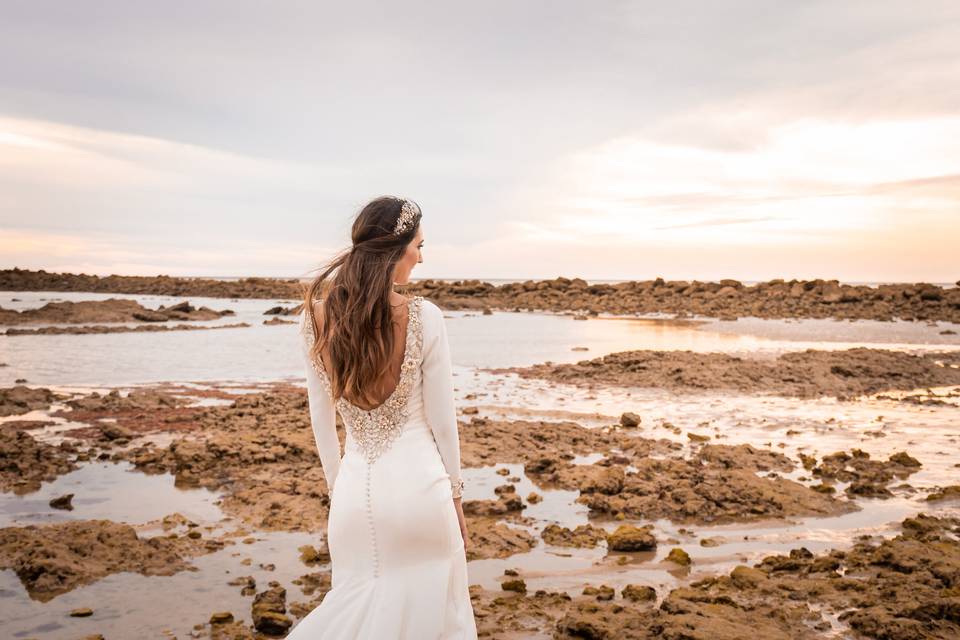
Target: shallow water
<point>131,605</point>
<point>503,339</point>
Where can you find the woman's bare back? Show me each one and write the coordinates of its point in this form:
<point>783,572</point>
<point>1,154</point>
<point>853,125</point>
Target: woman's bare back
<point>386,385</point>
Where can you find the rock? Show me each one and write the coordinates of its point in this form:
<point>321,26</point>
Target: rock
<point>603,592</point>
<point>269,609</point>
<point>639,593</point>
<point>518,585</point>
<point>903,458</point>
<point>584,536</point>
<point>25,462</point>
<point>951,491</point>
<point>113,432</point>
<point>629,419</point>
<point>747,577</point>
<point>62,502</point>
<point>628,537</point>
<point>221,617</point>
<point>52,559</point>
<point>492,539</point>
<point>21,399</point>
<point>82,612</point>
<point>679,556</point>
<point>804,374</point>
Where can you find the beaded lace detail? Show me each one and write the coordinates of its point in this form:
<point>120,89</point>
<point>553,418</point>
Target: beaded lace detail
<point>375,430</point>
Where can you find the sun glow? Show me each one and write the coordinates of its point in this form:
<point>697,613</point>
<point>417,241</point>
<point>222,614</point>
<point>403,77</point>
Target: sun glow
<point>805,178</point>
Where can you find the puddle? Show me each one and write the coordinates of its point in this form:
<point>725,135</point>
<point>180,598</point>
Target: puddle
<point>112,491</point>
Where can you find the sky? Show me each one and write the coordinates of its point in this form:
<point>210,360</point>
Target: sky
<point>603,140</point>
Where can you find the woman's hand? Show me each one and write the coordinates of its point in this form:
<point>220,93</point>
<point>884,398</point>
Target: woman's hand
<point>458,503</point>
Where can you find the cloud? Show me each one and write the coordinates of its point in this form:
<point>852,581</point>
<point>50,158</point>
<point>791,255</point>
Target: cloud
<point>589,131</point>
<point>713,222</point>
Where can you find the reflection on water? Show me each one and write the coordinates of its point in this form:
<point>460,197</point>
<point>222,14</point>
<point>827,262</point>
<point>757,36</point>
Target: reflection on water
<point>113,491</point>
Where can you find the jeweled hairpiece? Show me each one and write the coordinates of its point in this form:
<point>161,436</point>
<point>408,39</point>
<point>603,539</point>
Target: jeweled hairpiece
<point>409,214</point>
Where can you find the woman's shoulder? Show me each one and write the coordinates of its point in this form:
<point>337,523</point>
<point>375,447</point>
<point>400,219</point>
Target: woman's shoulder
<point>429,307</point>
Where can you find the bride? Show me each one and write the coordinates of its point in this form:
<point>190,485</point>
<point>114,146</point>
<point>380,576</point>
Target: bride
<point>396,530</point>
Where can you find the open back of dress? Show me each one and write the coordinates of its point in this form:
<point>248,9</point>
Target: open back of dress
<point>397,556</point>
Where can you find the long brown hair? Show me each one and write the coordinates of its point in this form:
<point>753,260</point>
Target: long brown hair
<point>357,320</point>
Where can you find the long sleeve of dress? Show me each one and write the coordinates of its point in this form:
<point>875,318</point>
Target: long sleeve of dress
<point>438,393</point>
<point>323,417</point>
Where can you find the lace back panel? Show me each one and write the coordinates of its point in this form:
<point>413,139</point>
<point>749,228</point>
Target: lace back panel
<point>375,430</point>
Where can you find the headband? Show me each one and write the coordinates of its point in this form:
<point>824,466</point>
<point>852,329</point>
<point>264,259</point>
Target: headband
<point>409,214</point>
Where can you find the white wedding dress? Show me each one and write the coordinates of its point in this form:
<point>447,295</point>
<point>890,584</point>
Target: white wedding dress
<point>397,555</point>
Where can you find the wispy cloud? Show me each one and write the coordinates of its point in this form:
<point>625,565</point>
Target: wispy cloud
<point>602,140</point>
<point>714,222</point>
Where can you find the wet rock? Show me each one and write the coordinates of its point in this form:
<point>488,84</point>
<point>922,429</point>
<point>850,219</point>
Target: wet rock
<point>772,299</point>
<point>603,592</point>
<point>804,374</point>
<point>952,491</point>
<point>584,536</point>
<point>310,555</point>
<point>744,456</point>
<point>629,419</point>
<point>109,310</point>
<point>594,478</point>
<point>714,541</point>
<point>248,583</point>
<point>62,502</point>
<point>221,617</point>
<point>517,584</point>
<point>679,556</point>
<point>55,558</point>
<point>639,593</point>
<point>628,537</point>
<point>492,539</point>
<point>21,399</point>
<point>116,432</point>
<point>507,502</point>
<point>867,477</point>
<point>745,577</point>
<point>689,491</point>
<point>269,612</point>
<point>26,462</point>
<point>283,311</point>
<point>103,328</point>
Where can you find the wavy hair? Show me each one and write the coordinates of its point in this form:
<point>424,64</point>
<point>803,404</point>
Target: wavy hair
<point>355,287</point>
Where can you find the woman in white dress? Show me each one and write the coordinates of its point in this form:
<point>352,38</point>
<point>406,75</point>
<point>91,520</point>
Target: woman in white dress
<point>396,531</point>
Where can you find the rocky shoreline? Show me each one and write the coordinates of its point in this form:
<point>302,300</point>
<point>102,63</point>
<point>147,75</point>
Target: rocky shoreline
<point>257,449</point>
<point>725,299</point>
<point>806,374</point>
<point>110,310</point>
<point>905,588</point>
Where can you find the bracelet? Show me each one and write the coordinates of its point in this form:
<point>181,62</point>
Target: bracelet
<point>456,487</point>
